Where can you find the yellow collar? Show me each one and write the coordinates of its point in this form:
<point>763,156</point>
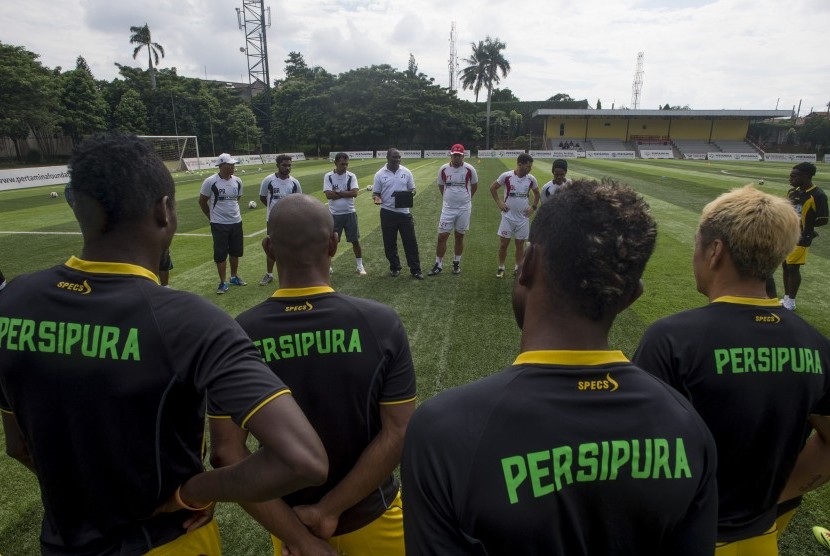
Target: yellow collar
<point>582,358</point>
<point>98,267</point>
<point>302,292</point>
<point>757,301</point>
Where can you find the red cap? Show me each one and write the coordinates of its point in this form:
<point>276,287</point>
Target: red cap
<point>458,148</point>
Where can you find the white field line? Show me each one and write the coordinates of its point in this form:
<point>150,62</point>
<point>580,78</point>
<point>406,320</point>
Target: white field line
<point>8,232</point>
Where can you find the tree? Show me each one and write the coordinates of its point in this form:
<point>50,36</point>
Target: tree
<point>130,114</point>
<point>241,125</point>
<point>599,105</point>
<point>295,66</point>
<point>472,77</point>
<point>504,95</point>
<point>412,67</point>
<point>83,108</point>
<point>486,63</point>
<point>141,37</point>
<point>28,97</point>
<point>560,97</point>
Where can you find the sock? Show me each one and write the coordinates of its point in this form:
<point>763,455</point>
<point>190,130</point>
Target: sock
<point>457,259</point>
<point>359,261</point>
<point>439,261</point>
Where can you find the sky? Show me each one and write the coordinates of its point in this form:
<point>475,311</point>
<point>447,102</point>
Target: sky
<point>707,54</point>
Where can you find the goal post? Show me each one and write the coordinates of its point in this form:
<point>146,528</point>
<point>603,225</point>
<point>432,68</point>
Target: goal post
<point>173,149</point>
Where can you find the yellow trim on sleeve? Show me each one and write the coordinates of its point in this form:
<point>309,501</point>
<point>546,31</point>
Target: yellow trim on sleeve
<point>582,358</point>
<point>412,399</point>
<point>265,402</point>
<point>218,416</point>
<point>757,301</point>
<point>302,292</point>
<point>98,267</point>
<point>6,411</point>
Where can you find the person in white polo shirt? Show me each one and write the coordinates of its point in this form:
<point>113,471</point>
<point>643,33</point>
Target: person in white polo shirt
<point>340,188</point>
<point>458,182</point>
<point>274,187</point>
<point>393,189</point>
<point>219,201</point>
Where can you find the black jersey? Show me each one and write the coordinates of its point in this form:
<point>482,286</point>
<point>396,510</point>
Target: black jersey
<point>563,453</point>
<point>811,206</point>
<point>754,371</point>
<point>106,374</point>
<point>342,357</point>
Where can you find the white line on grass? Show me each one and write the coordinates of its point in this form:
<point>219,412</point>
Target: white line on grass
<point>7,232</point>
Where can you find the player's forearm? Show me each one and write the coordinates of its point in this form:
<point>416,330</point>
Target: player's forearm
<point>204,206</point>
<point>812,468</point>
<point>280,520</point>
<point>260,477</point>
<point>374,466</point>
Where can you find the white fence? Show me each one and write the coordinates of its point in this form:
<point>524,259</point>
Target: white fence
<point>616,155</point>
<point>21,178</point>
<point>790,157</point>
<point>733,156</point>
<point>654,153</point>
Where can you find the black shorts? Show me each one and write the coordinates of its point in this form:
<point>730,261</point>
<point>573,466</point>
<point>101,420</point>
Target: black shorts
<point>346,222</point>
<point>166,263</point>
<point>227,240</point>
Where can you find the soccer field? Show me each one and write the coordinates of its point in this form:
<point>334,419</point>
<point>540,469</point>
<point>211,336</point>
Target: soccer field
<point>460,327</point>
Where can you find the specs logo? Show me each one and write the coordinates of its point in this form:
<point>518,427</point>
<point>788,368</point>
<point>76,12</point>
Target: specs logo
<point>83,289</point>
<point>295,308</point>
<point>608,384</point>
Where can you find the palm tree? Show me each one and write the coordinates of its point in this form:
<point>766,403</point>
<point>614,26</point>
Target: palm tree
<point>486,63</point>
<point>141,37</point>
<point>472,77</point>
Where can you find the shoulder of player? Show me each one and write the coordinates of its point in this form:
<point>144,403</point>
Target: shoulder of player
<point>375,312</point>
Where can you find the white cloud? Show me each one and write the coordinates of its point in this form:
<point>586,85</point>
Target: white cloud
<point>704,53</point>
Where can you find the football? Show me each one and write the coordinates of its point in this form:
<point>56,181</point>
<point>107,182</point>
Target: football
<point>822,535</point>
<point>368,188</point>
<point>761,181</point>
<point>54,194</point>
<point>252,205</point>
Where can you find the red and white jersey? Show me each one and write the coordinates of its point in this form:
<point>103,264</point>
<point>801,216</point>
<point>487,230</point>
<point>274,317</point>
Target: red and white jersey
<point>516,192</point>
<point>457,184</point>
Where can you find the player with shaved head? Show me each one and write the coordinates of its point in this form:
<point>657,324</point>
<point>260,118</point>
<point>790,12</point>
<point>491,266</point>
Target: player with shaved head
<point>347,362</point>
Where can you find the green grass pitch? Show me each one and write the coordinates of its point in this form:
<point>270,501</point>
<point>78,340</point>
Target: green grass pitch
<point>460,327</point>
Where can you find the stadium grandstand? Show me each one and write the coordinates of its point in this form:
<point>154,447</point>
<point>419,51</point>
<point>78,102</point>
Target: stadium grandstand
<point>674,133</point>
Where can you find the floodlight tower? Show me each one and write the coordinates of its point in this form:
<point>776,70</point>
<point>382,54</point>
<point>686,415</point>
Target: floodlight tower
<point>637,86</point>
<point>251,19</point>
<point>453,64</point>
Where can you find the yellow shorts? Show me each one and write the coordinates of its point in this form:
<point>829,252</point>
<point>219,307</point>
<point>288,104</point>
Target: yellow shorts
<point>784,520</point>
<point>204,541</point>
<point>797,255</point>
<point>765,544</point>
<point>382,537</point>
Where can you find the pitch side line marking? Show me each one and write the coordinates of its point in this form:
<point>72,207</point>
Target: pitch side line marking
<point>7,232</point>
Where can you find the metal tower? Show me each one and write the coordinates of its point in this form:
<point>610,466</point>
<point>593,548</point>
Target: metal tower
<point>637,86</point>
<point>251,19</point>
<point>453,63</point>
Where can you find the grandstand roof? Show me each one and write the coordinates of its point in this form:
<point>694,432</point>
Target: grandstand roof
<point>625,113</point>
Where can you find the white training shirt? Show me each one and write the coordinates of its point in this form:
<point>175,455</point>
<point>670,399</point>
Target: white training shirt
<point>274,188</point>
<point>346,181</point>
<point>516,192</point>
<point>457,184</point>
<point>223,199</point>
<point>550,188</point>
<point>386,183</point>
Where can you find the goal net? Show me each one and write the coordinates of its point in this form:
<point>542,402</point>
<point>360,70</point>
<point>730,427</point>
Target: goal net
<point>173,149</point>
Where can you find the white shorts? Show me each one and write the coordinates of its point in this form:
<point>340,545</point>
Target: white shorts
<point>454,219</point>
<point>517,229</point>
